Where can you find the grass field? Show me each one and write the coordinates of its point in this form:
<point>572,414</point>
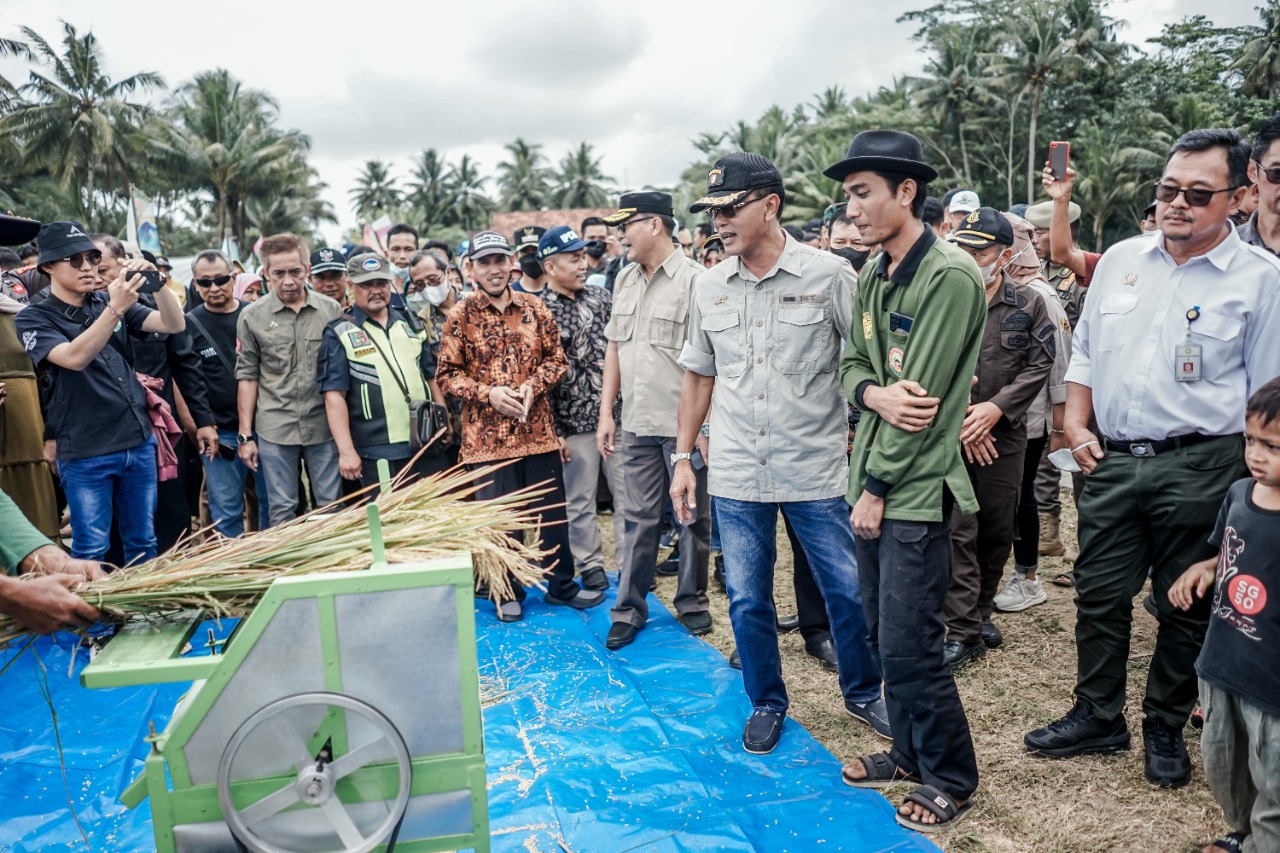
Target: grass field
<point>1024,803</point>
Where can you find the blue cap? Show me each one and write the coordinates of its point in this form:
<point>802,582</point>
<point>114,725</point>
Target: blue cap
<point>559,240</point>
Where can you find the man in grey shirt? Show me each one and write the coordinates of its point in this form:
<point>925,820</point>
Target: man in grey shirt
<point>765,330</point>
<point>280,407</point>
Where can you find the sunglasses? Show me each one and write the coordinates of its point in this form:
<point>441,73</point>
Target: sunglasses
<point>1195,197</point>
<point>216,281</point>
<point>729,211</point>
<point>78,259</point>
<point>1273,175</point>
<point>624,226</point>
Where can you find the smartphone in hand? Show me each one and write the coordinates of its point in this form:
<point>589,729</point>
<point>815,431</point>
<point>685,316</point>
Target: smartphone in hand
<point>1059,159</point>
<point>151,280</point>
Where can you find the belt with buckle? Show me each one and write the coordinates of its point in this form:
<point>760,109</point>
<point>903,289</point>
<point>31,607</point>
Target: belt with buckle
<point>1144,448</point>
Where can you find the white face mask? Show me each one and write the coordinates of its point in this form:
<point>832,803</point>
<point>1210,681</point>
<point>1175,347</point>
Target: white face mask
<point>415,301</point>
<point>988,272</point>
<point>399,272</point>
<point>437,294</point>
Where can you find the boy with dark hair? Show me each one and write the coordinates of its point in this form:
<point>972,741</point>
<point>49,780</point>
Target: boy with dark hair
<point>1239,684</point>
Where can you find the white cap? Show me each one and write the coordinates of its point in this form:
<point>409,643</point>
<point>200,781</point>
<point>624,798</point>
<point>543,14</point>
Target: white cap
<point>965,201</point>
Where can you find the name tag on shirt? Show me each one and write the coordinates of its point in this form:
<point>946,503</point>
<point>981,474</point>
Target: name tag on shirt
<point>1186,363</point>
<point>900,322</point>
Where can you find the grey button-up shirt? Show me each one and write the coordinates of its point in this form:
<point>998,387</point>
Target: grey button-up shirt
<point>279,347</point>
<point>779,425</point>
<point>1135,317</point>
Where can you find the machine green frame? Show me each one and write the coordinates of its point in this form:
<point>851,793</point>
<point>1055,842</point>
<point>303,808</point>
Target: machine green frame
<point>150,654</point>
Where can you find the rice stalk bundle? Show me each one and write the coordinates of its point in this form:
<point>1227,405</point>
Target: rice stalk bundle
<point>422,520</point>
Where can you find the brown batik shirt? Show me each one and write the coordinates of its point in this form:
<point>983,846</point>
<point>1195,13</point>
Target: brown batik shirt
<point>481,348</point>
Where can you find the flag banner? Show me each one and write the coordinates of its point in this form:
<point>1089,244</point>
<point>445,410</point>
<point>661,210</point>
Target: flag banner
<point>142,223</point>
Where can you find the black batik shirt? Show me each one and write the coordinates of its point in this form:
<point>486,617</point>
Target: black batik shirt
<point>575,402</point>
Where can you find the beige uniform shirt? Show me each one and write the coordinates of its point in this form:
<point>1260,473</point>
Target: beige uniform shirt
<point>649,326</point>
<point>279,347</point>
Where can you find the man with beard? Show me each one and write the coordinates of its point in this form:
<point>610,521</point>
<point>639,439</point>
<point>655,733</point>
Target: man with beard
<point>501,355</point>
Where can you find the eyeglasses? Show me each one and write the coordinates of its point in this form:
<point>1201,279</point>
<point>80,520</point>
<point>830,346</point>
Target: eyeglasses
<point>729,211</point>
<point>78,259</point>
<point>1273,175</point>
<point>1195,197</point>
<point>429,281</point>
<point>623,227</point>
<point>216,281</point>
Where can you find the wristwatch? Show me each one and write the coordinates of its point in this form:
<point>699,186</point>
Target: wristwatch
<point>680,457</point>
<point>243,438</point>
<point>705,431</point>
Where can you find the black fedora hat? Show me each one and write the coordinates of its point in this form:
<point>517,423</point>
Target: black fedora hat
<point>884,151</point>
<point>15,230</point>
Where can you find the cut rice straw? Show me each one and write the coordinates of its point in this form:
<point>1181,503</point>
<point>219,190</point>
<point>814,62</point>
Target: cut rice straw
<point>426,519</point>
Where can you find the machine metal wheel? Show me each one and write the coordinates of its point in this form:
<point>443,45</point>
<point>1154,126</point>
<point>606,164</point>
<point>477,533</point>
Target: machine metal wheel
<point>276,737</point>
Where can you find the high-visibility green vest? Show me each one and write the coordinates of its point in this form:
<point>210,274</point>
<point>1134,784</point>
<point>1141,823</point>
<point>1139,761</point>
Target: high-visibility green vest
<point>380,361</point>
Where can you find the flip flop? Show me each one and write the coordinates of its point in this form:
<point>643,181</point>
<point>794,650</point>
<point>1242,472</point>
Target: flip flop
<point>1232,842</point>
<point>943,806</point>
<point>1066,579</point>
<point>881,772</point>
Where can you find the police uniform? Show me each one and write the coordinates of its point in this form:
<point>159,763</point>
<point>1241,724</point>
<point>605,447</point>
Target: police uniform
<point>1018,350</point>
<point>382,371</point>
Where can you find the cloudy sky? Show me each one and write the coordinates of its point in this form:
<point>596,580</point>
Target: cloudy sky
<point>638,80</point>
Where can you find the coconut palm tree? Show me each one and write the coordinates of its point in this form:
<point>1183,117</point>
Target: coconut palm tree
<point>1258,61</point>
<point>375,191</point>
<point>75,120</point>
<point>428,194</point>
<point>524,181</point>
<point>1114,171</point>
<point>469,207</point>
<point>955,87</point>
<point>581,180</point>
<point>831,103</point>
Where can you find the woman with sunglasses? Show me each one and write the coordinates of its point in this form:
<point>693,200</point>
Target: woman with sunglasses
<point>106,449</point>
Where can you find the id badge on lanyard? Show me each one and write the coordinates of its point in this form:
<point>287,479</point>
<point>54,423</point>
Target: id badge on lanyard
<point>1186,355</point>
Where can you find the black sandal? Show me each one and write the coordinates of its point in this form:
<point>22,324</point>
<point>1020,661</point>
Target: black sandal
<point>881,772</point>
<point>943,806</point>
<point>1232,842</point>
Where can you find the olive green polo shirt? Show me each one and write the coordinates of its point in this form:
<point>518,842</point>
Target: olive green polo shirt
<point>279,347</point>
<point>18,537</point>
<point>936,292</point>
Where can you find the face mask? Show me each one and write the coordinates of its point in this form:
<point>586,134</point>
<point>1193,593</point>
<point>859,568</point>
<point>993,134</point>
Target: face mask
<point>415,301</point>
<point>987,271</point>
<point>437,294</point>
<point>595,249</point>
<point>399,272</point>
<point>853,256</point>
<point>531,266</point>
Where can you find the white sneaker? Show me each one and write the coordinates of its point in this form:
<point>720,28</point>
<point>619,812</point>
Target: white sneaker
<point>1020,594</point>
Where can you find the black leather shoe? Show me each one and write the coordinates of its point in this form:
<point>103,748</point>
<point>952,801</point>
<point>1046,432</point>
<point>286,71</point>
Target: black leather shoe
<point>824,651</point>
<point>668,537</point>
<point>718,573</point>
<point>762,731</point>
<point>669,567</point>
<point>698,623</point>
<point>595,578</point>
<point>1167,763</point>
<point>1079,733</point>
<point>991,636</point>
<point>1149,605</point>
<point>734,660</point>
<point>621,634</point>
<point>787,624</point>
<point>958,654</point>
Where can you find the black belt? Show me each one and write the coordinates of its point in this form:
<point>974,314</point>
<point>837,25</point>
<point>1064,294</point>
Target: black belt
<point>1163,445</point>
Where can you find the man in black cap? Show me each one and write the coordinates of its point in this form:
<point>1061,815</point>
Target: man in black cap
<point>917,328</point>
<point>765,331</point>
<point>329,276</point>
<point>107,460</point>
<point>532,278</point>
<point>645,332</point>
<point>1018,350</point>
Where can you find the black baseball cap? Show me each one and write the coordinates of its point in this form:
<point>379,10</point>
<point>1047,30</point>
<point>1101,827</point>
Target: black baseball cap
<point>528,237</point>
<point>14,230</point>
<point>59,240</point>
<point>734,176</point>
<point>984,227</point>
<point>327,260</point>
<point>633,204</point>
<point>1149,209</point>
<point>486,243</point>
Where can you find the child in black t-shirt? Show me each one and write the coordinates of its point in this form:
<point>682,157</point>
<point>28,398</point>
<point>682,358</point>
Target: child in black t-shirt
<point>1239,676</point>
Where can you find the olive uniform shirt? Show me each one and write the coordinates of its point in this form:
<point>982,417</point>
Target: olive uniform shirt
<point>18,538</point>
<point>279,347</point>
<point>649,325</point>
<point>937,291</point>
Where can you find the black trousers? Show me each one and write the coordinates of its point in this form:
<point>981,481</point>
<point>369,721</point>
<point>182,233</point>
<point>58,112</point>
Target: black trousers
<point>1026,547</point>
<point>905,575</point>
<point>810,606</point>
<point>539,469</point>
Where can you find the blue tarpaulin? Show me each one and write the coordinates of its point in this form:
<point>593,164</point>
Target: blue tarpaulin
<point>588,751</point>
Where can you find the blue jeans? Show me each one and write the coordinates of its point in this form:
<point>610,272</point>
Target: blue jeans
<point>119,485</point>
<point>748,531</point>
<point>225,480</point>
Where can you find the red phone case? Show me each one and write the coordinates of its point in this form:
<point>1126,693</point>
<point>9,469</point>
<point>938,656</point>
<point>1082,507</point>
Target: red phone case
<point>1059,158</point>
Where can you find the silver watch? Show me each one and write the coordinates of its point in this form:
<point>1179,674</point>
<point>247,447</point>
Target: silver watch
<point>705,430</point>
<point>680,457</point>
